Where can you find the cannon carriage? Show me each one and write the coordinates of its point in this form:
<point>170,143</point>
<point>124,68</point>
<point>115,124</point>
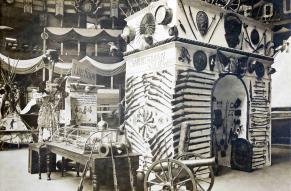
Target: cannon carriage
<point>187,172</point>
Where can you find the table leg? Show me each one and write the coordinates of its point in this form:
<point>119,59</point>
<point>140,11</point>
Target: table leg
<point>48,166</point>
<point>95,178</point>
<point>90,172</point>
<point>39,164</point>
<point>2,145</point>
<point>78,169</point>
<point>63,166</point>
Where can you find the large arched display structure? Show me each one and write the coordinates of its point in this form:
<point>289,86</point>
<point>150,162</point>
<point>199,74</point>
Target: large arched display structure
<point>182,57</point>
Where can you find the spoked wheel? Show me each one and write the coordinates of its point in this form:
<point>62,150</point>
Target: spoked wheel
<point>232,5</point>
<point>210,1</point>
<point>203,175</point>
<point>227,4</point>
<point>169,175</point>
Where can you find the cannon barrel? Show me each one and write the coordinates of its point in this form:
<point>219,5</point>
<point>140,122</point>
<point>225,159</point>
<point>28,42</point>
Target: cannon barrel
<point>104,149</point>
<point>199,162</point>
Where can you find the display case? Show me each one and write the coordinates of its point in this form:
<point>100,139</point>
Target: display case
<point>86,139</point>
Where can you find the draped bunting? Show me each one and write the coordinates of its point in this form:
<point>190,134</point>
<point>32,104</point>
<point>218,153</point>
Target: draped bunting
<point>81,34</point>
<point>58,31</point>
<point>35,64</point>
<point>105,69</point>
<point>22,66</point>
<point>62,68</point>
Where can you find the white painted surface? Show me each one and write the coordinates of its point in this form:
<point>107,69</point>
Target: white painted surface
<point>281,80</point>
<point>218,38</point>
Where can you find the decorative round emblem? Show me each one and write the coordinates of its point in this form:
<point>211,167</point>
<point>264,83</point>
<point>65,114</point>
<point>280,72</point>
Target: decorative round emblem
<point>44,36</point>
<point>163,15</point>
<point>200,60</point>
<point>202,22</point>
<point>255,36</point>
<point>147,24</point>
<point>259,69</point>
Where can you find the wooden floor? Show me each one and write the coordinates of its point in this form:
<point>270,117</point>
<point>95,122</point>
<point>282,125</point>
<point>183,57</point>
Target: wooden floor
<point>15,177</point>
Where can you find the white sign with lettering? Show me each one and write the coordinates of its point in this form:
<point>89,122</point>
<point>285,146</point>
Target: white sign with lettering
<point>155,61</point>
<point>85,71</point>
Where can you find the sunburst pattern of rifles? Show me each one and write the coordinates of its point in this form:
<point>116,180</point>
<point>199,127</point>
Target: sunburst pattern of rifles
<point>148,98</point>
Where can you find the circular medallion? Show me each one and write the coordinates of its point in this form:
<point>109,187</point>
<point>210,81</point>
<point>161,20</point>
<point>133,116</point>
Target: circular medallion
<point>202,22</point>
<point>255,36</point>
<point>200,60</point>
<point>163,15</point>
<point>259,69</point>
<point>44,36</point>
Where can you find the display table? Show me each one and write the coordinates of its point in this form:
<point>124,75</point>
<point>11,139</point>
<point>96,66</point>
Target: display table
<point>101,167</point>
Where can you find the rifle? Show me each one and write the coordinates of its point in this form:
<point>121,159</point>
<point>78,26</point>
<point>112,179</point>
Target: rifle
<point>130,170</point>
<point>80,187</point>
<point>114,170</point>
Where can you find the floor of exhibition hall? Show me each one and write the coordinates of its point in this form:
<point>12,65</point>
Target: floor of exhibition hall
<point>14,175</point>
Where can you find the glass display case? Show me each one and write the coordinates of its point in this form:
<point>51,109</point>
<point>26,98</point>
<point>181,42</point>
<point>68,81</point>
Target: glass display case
<point>85,139</point>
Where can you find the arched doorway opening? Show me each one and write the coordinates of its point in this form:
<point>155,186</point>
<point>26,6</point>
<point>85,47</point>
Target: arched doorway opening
<point>229,117</point>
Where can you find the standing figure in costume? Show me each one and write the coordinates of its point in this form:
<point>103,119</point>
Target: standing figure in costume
<point>48,119</point>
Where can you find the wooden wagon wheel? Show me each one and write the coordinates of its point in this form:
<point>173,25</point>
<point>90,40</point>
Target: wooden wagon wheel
<point>227,4</point>
<point>203,175</point>
<point>169,175</point>
<point>232,5</point>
